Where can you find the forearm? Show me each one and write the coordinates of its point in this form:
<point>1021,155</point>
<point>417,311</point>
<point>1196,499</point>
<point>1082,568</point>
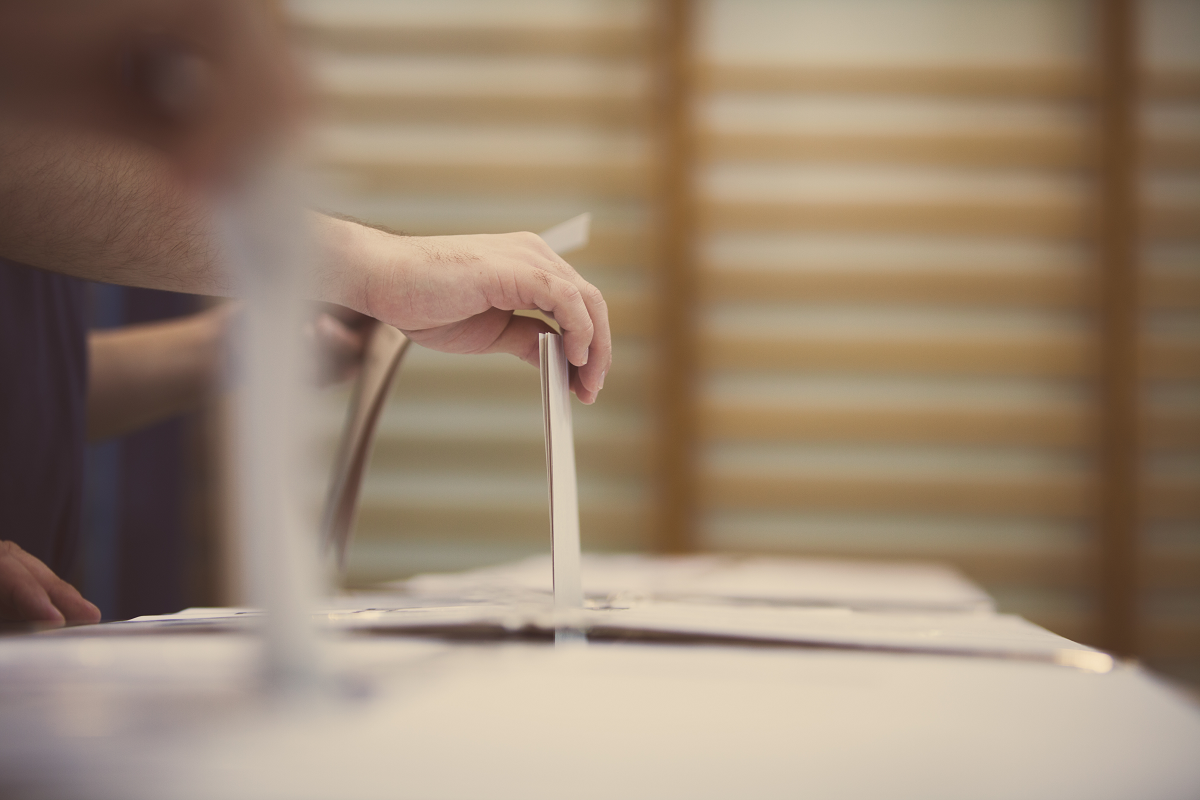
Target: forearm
<point>143,374</point>
<point>113,211</point>
<point>95,208</point>
<point>103,209</point>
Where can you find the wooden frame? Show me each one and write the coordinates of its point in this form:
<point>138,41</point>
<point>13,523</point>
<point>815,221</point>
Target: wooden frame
<point>1119,500</point>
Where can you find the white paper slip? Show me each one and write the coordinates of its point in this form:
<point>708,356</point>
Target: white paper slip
<point>569,236</point>
<point>560,472</point>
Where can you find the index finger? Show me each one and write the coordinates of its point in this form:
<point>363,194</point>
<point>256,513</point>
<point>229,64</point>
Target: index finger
<point>66,598</point>
<point>591,374</point>
<point>22,597</point>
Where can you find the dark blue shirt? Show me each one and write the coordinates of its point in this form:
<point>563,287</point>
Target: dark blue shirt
<point>43,425</point>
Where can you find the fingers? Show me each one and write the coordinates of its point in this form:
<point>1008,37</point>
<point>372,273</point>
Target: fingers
<point>563,300</point>
<point>22,598</point>
<point>31,592</point>
<point>65,597</point>
<point>520,338</point>
<point>594,363</point>
<point>456,294</point>
<point>585,395</point>
<point>592,374</point>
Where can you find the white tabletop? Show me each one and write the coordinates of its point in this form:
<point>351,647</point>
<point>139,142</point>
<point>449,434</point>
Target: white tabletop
<point>177,713</point>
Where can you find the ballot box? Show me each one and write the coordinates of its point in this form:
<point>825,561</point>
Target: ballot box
<point>690,677</point>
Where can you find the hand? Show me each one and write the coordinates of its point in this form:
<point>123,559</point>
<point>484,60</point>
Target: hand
<point>457,294</point>
<point>30,592</point>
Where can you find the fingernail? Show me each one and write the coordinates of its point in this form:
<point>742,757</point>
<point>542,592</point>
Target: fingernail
<point>603,375</point>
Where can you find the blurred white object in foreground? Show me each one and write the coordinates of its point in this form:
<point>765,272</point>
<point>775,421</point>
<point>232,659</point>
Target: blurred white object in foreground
<point>265,242</point>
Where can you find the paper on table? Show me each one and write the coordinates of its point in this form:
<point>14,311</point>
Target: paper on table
<point>560,472</point>
<point>380,362</point>
<point>863,585</point>
<point>980,634</point>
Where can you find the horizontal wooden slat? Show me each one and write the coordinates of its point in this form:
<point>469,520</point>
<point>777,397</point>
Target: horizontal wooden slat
<point>1172,220</point>
<point>1165,431</point>
<point>498,37</point>
<point>604,109</point>
<point>1061,356</point>
<point>610,456</point>
<point>1052,150</point>
<point>1041,566</point>
<point>606,526</point>
<point>622,179</point>
<point>1172,499</point>
<point>1048,356</point>
<point>1164,151</point>
<point>1175,290</point>
<point>1048,496</point>
<point>760,422</point>
<point>1045,83</point>
<point>1176,358</point>
<point>1055,497</point>
<point>1047,426</point>
<point>1043,219</point>
<point>942,149</point>
<point>630,313</point>
<point>1165,638</point>
<point>966,81</point>
<point>1172,84</point>
<point>971,287</point>
<point>1171,567</point>
<point>616,249</point>
<point>626,385</point>
<point>1056,567</point>
<point>1172,430</point>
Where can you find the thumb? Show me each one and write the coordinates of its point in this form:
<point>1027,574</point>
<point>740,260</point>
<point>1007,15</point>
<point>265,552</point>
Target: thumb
<point>520,338</point>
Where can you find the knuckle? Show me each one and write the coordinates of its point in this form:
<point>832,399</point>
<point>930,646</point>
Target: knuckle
<point>543,277</point>
<point>595,296</point>
<point>570,293</point>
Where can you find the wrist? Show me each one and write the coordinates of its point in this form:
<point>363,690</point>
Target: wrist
<point>355,260</point>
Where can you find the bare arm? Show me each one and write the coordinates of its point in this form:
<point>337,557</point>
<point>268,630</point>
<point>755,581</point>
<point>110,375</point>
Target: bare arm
<point>96,208</point>
<point>142,374</point>
<point>91,205</point>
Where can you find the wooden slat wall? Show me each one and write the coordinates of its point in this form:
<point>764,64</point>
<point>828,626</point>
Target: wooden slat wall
<point>853,254</point>
<point>467,116</point>
<point>1168,582</point>
<point>969,434</point>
